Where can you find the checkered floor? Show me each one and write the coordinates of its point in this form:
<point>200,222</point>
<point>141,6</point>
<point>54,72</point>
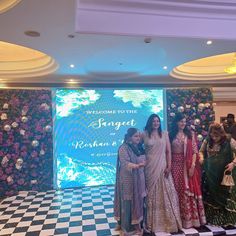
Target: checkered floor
<point>86,212</point>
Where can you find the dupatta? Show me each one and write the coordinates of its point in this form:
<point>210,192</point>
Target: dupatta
<point>194,182</point>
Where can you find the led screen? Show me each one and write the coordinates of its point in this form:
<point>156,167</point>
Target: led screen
<point>90,126</point>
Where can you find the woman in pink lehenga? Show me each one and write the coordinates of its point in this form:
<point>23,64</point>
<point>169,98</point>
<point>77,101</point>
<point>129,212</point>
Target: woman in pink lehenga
<point>162,201</point>
<point>186,173</point>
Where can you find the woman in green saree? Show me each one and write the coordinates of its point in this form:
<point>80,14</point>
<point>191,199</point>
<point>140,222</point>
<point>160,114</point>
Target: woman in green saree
<point>217,155</point>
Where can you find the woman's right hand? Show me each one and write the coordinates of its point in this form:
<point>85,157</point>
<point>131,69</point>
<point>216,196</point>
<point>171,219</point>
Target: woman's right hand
<point>201,158</point>
<point>167,172</point>
<point>142,164</point>
<point>229,167</point>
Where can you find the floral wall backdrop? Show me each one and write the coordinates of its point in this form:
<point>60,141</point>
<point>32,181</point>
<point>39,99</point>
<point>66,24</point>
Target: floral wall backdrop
<point>196,104</point>
<point>26,147</point>
<point>26,143</point>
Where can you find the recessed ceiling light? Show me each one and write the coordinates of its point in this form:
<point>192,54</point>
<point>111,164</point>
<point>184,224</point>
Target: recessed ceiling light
<point>209,42</point>
<point>72,65</point>
<point>148,40</point>
<point>32,33</point>
<point>71,36</point>
<point>165,67</point>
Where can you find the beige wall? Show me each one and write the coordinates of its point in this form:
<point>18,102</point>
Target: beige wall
<point>223,108</point>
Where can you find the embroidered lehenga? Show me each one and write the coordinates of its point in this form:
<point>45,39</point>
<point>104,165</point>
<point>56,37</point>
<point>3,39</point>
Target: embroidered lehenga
<point>188,188</point>
<point>162,201</point>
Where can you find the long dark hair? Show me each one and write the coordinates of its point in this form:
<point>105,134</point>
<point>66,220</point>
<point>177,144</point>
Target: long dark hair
<point>149,123</point>
<point>174,127</point>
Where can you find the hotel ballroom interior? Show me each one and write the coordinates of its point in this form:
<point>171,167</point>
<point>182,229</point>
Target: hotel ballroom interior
<point>75,75</point>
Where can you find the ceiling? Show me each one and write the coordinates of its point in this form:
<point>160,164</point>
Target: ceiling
<point>103,56</point>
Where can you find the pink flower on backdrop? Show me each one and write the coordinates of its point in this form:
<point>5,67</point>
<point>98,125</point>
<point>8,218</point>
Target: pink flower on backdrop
<point>20,181</point>
<point>39,128</point>
<point>203,117</point>
<point>34,154</point>
<point>14,101</point>
<point>2,175</point>
<point>33,173</point>
<point>38,137</point>
<point>10,193</point>
<point>14,157</point>
<point>10,133</point>
<point>24,126</point>
<point>25,108</point>
<point>26,137</point>
<point>8,170</point>
<point>26,141</point>
<point>16,146</point>
<point>44,96</point>
<point>23,148</point>
<point>204,133</point>
<point>34,187</point>
<point>42,120</point>
<point>9,142</point>
<point>23,154</point>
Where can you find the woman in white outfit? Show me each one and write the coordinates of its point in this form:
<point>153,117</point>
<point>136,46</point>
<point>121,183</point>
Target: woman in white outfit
<point>163,213</point>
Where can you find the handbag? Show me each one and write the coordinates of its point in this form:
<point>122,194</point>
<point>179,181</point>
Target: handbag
<point>227,180</point>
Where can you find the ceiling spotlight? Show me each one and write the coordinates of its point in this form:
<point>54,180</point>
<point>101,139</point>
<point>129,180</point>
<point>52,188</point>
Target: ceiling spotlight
<point>72,65</point>
<point>209,42</point>
<point>165,67</point>
<point>148,40</point>
<point>71,36</point>
<point>32,33</point>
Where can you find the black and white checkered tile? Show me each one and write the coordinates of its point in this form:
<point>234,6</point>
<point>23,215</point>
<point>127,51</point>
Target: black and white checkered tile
<point>79,212</point>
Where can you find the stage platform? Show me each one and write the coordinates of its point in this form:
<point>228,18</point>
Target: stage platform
<point>78,212</point>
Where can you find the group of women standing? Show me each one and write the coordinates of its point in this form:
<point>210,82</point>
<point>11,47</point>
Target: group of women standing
<point>162,172</point>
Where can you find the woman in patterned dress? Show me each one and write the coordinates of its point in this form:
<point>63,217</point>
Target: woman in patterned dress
<point>186,173</point>
<point>130,188</point>
<point>217,155</point>
<point>162,201</point>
